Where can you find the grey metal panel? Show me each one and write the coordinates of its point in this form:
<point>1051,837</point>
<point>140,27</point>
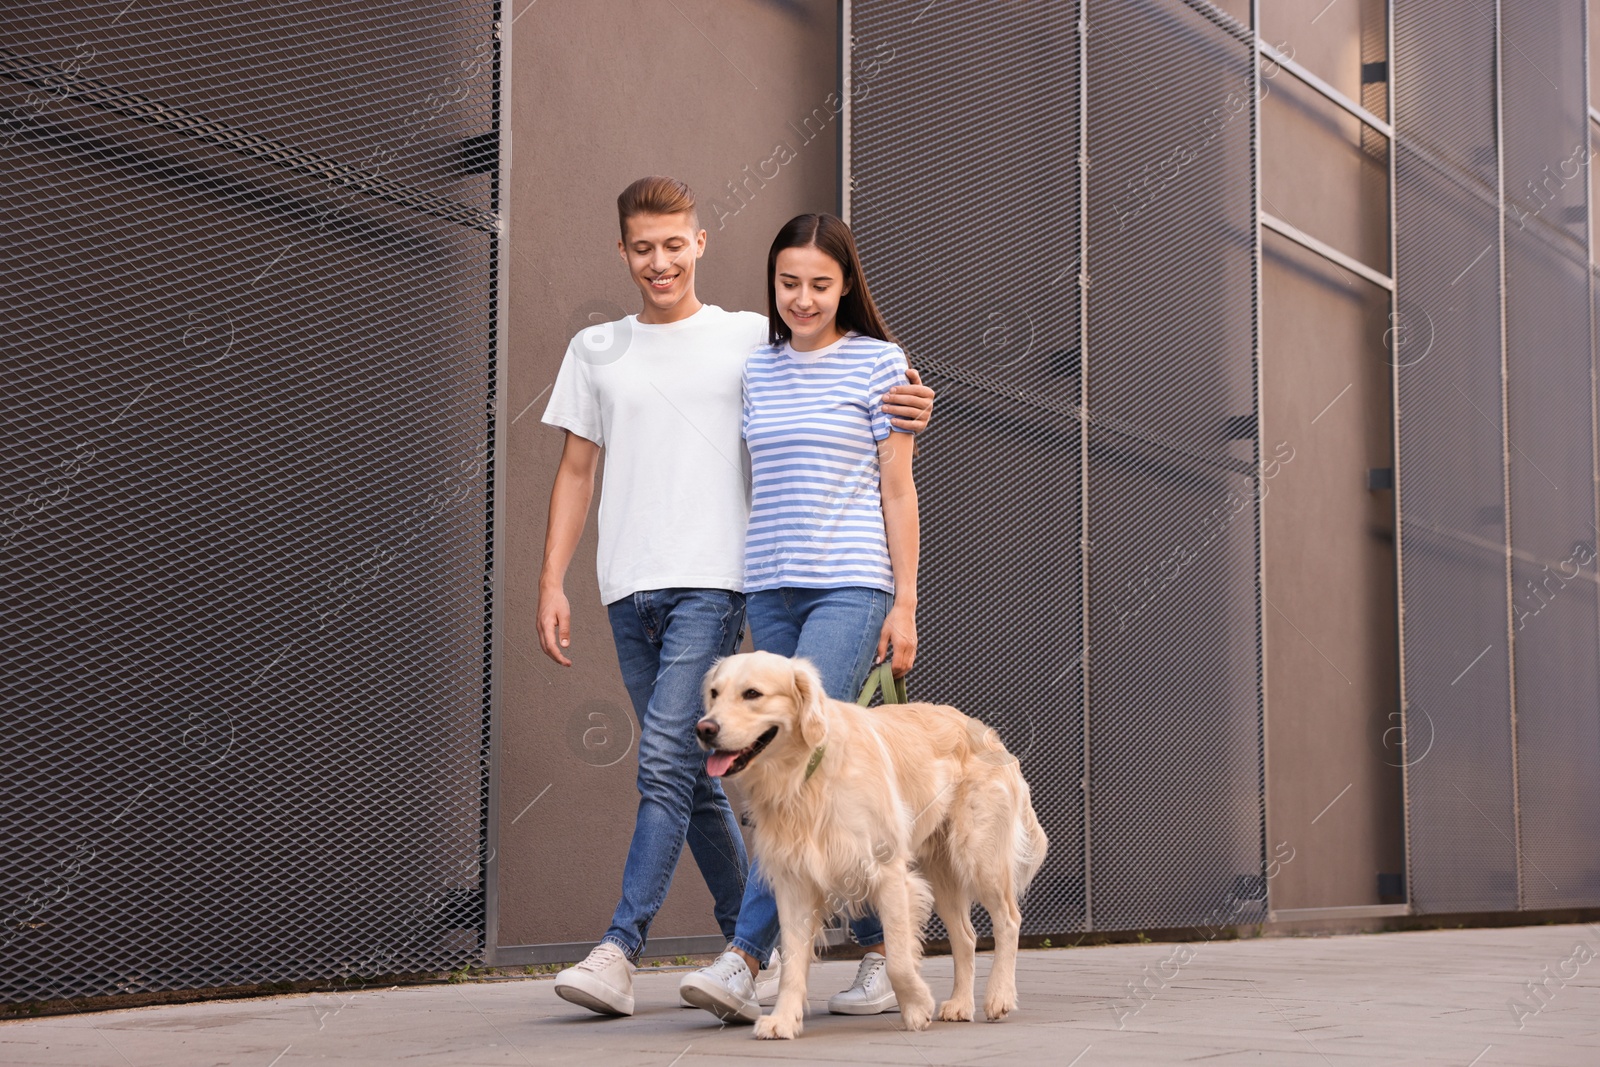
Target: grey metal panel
<point>1546,109</point>
<point>1553,572</point>
<point>1444,80</point>
<point>964,125</point>
<point>1446,340</point>
<point>249,268</point>
<point>1552,455</point>
<point>1174,638</point>
<point>1174,748</point>
<point>998,485</point>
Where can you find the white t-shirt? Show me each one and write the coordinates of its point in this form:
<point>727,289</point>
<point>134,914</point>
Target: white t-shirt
<point>664,402</point>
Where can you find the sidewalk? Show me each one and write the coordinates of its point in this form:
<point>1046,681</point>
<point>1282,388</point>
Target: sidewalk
<point>1436,997</point>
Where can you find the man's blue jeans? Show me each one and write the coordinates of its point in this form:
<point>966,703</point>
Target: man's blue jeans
<point>837,630</point>
<point>666,641</point>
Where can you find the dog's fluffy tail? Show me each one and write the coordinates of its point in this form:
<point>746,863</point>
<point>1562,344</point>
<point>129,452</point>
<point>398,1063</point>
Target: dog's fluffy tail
<point>1028,841</point>
<point>1029,844</point>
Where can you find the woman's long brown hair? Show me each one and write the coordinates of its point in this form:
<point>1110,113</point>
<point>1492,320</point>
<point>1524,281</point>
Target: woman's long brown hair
<point>830,235</point>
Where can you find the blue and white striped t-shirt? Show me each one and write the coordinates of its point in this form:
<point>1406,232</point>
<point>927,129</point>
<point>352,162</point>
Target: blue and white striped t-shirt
<point>812,421</point>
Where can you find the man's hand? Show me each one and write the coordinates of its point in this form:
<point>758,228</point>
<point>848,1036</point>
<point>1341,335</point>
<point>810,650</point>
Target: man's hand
<point>909,407</point>
<point>569,506</point>
<point>555,624</point>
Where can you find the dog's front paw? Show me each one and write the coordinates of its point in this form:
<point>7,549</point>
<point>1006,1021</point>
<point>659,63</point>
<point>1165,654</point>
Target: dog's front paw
<point>917,1015</point>
<point>777,1027</point>
<point>952,1011</point>
<point>997,1004</point>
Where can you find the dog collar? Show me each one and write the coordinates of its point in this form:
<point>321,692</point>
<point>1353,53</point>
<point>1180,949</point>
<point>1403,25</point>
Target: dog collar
<point>816,761</point>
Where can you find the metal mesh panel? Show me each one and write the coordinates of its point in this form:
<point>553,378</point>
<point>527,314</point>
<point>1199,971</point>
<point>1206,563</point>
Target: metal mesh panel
<point>989,93</point>
<point>1458,749</point>
<point>1500,766</point>
<point>1551,459</point>
<point>1173,727</point>
<point>249,266</point>
<point>1174,671</point>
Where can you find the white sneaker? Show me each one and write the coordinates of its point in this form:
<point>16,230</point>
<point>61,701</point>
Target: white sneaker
<point>726,989</point>
<point>870,993</point>
<point>767,988</point>
<point>603,982</point>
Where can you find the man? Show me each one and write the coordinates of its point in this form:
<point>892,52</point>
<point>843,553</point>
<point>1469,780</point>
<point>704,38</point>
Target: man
<point>660,393</point>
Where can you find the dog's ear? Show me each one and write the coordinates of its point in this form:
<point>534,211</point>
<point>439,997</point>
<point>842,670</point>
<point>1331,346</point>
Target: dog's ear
<point>808,702</point>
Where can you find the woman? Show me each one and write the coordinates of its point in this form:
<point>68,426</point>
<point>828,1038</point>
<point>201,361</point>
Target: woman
<point>831,549</point>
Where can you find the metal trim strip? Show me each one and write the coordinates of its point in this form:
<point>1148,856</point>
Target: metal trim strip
<point>1394,413</point>
<point>1329,92</point>
<point>1083,454</point>
<point>1355,911</point>
<point>502,430</point>
<point>1505,438</point>
<point>1256,355</point>
<point>1326,251</point>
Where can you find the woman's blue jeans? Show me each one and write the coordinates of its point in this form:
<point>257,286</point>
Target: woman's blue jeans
<point>837,630</point>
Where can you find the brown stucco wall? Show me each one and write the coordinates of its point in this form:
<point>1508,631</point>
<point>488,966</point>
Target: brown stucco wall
<point>1330,618</point>
<point>1333,781</point>
<point>602,94</point>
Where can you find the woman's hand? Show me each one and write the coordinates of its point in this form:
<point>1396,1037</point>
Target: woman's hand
<point>899,630</point>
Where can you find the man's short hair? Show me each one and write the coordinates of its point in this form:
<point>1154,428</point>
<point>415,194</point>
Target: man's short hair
<point>655,195</point>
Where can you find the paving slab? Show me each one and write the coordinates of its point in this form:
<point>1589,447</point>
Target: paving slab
<point>1451,998</point>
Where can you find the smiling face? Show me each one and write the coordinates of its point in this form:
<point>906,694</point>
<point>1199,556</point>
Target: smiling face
<point>807,284</point>
<point>661,251</point>
<point>759,706</point>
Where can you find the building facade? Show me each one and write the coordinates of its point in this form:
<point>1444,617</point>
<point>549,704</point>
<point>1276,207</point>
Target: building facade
<point>1259,505</point>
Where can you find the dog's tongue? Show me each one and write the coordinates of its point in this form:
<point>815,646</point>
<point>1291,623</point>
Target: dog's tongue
<point>717,763</point>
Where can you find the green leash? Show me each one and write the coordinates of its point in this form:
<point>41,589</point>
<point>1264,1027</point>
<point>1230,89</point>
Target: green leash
<point>894,692</point>
<point>882,677</point>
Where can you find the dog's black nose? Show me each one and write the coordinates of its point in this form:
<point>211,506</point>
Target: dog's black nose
<point>707,730</point>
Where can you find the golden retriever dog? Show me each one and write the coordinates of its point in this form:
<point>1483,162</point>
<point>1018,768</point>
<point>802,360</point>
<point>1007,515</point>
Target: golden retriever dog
<point>897,807</point>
